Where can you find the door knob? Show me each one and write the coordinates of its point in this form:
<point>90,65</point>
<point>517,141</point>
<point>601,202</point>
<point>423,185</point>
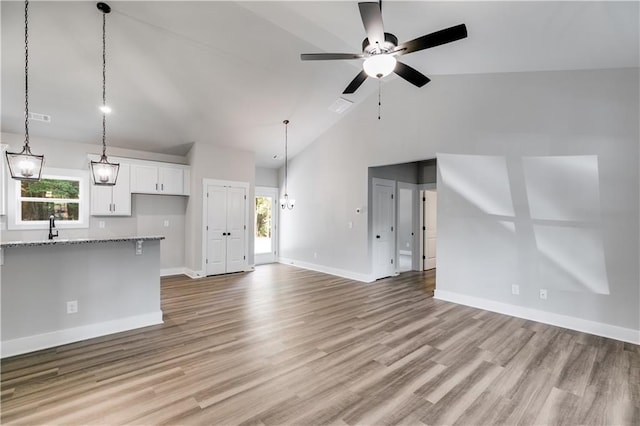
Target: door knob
<point>224,233</point>
<point>377,236</point>
<point>228,233</point>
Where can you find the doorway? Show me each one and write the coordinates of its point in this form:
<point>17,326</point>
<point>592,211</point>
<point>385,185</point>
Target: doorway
<point>407,256</point>
<point>265,236</point>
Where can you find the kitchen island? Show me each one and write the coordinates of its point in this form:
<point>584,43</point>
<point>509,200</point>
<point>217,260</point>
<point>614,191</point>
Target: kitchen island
<point>112,284</point>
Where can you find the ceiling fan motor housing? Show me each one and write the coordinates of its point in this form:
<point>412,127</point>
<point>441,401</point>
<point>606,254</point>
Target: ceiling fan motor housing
<point>390,43</point>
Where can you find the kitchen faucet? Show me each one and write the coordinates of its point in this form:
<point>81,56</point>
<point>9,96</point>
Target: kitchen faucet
<point>52,224</point>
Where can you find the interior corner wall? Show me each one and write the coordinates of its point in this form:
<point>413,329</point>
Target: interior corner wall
<point>212,162</point>
<point>406,172</point>
<point>514,115</point>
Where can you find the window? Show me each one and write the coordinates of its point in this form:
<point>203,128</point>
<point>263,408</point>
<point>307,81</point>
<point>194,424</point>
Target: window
<point>61,193</point>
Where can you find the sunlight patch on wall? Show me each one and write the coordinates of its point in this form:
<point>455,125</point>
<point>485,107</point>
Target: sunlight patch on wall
<point>563,188</point>
<point>571,258</point>
<point>481,180</point>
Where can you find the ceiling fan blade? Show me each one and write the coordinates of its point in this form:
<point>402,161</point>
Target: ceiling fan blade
<point>412,75</point>
<point>355,83</point>
<point>329,56</point>
<point>372,19</point>
<point>434,39</point>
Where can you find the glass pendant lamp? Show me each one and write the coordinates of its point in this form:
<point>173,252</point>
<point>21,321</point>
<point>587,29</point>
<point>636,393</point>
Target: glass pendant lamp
<point>104,172</point>
<point>25,165</point>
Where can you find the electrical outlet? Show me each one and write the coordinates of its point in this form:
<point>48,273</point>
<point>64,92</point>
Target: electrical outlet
<point>543,293</point>
<point>315,255</point>
<point>350,225</point>
<point>166,223</point>
<point>72,306</point>
<point>515,289</point>
<point>101,224</point>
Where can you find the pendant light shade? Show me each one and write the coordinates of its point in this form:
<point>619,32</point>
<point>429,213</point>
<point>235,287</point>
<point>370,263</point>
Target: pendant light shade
<point>285,201</point>
<point>24,165</point>
<point>104,172</point>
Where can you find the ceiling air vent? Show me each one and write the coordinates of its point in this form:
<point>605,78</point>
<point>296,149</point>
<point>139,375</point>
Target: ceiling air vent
<point>39,117</point>
<point>340,105</point>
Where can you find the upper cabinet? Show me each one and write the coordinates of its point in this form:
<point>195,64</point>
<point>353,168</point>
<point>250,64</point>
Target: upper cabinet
<point>160,178</point>
<point>139,177</point>
<point>113,200</point>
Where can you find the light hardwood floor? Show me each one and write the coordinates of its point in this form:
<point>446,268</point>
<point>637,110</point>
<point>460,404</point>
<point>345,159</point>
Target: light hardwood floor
<point>288,346</point>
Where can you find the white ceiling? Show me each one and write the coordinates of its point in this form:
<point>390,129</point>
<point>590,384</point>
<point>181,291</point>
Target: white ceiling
<point>228,73</point>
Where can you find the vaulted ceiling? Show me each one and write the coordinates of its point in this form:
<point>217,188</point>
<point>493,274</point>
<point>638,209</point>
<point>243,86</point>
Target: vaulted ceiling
<point>228,73</point>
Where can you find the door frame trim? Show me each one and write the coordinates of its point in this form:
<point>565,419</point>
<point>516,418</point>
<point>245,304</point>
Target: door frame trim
<point>268,191</point>
<point>203,229</point>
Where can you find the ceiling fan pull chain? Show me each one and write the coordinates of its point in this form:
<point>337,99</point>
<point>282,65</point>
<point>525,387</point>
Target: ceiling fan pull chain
<point>379,102</point>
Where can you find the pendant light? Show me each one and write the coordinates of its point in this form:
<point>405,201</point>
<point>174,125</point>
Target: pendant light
<point>286,202</point>
<point>104,172</point>
<point>24,165</point>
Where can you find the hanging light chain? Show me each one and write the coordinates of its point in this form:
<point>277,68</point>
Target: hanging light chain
<point>104,85</point>
<point>379,99</point>
<point>26,76</point>
<point>286,156</point>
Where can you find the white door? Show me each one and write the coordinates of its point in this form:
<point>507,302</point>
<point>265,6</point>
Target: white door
<point>216,261</point>
<point>383,228</point>
<point>265,225</point>
<point>236,200</point>
<point>430,200</point>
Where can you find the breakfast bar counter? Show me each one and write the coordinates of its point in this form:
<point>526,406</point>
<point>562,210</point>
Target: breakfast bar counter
<point>60,291</point>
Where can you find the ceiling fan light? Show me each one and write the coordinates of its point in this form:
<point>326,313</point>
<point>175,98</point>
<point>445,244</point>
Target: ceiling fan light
<point>378,66</point>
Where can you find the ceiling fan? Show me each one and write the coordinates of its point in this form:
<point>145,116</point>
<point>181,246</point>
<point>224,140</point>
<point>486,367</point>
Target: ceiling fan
<point>380,49</point>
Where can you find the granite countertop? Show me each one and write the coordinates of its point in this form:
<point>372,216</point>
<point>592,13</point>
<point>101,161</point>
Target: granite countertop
<point>68,241</point>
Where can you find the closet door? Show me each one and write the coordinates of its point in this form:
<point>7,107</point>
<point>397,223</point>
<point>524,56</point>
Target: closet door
<point>236,229</point>
<point>216,226</point>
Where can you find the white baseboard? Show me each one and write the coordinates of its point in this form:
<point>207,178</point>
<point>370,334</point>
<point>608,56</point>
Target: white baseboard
<point>327,270</point>
<point>193,274</point>
<point>172,271</point>
<point>69,335</point>
<point>586,326</point>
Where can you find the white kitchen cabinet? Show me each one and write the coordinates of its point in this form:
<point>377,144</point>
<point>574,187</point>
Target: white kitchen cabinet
<point>154,178</point>
<point>113,200</point>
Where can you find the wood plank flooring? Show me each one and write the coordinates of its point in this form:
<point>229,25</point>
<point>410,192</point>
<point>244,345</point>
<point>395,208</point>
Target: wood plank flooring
<point>283,345</point>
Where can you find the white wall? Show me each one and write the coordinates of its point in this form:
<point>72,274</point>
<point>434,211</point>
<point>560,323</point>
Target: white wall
<point>266,177</point>
<point>148,211</point>
<point>510,116</point>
